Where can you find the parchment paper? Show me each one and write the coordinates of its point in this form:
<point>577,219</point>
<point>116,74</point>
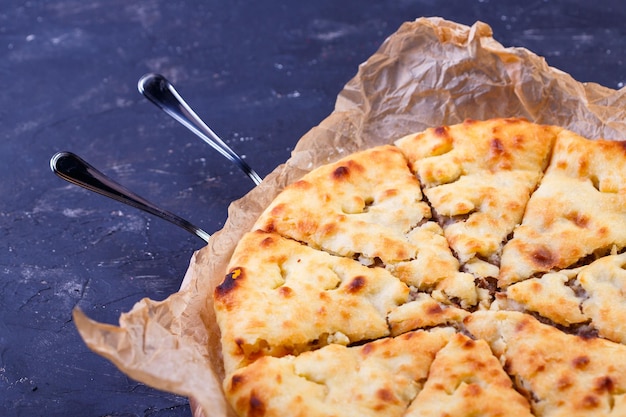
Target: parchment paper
<point>429,73</point>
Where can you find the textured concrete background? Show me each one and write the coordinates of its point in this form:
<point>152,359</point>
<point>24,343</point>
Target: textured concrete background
<point>261,73</point>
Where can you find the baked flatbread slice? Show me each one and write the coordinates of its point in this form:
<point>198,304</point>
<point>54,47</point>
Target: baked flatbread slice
<point>369,206</point>
<point>578,211</point>
<point>553,296</point>
<point>361,206</point>
<point>380,378</point>
<point>604,283</point>
<point>478,176</point>
<point>563,375</point>
<point>421,312</point>
<point>465,379</point>
<point>593,294</point>
<point>282,297</point>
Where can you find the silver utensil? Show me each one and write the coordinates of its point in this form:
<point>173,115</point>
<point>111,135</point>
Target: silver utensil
<point>75,170</point>
<point>162,93</point>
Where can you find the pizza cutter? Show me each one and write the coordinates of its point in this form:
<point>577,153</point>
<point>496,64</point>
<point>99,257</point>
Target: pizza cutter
<point>77,171</point>
<point>162,93</point>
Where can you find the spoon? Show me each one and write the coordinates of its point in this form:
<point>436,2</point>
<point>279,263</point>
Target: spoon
<point>162,93</point>
<point>73,169</point>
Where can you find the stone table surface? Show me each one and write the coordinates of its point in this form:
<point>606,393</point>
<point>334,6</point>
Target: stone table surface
<point>262,73</point>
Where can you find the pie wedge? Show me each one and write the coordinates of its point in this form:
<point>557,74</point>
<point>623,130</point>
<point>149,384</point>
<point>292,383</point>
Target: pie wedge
<point>593,295</point>
<point>465,379</point>
<point>282,297</point>
<point>561,374</point>
<point>578,211</point>
<point>378,378</point>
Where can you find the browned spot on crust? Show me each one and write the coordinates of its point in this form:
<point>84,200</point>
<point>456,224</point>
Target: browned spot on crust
<point>306,226</point>
<point>257,406</point>
<point>441,131</point>
<point>341,173</point>
<point>368,348</point>
<point>230,283</point>
<point>269,227</point>
<point>520,326</point>
<point>519,141</point>
<point>390,193</point>
<point>583,167</point>
<point>236,381</point>
<point>543,257</point>
<point>472,390</point>
<point>329,229</point>
<point>563,383</point>
<point>240,344</point>
<point>305,185</point>
<point>434,310</point>
<point>604,383</point>
<point>267,242</point>
<point>536,286</point>
<point>439,386</point>
<point>497,147</point>
<point>581,362</point>
<point>500,154</point>
<point>561,164</point>
<point>468,344</point>
<point>621,144</point>
<point>278,210</point>
<point>286,292</point>
<point>385,395</point>
<point>357,284</point>
<point>578,219</point>
<point>590,401</point>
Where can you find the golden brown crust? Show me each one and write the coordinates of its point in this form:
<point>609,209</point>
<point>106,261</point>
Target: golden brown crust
<point>592,294</point>
<point>363,205</point>
<point>478,177</point>
<point>550,296</point>
<point>563,374</point>
<point>283,297</point>
<point>604,283</point>
<point>378,378</point>
<point>423,312</point>
<point>369,206</point>
<point>579,209</point>
<point>465,379</point>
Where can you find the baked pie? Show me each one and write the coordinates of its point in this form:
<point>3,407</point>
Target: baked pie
<point>473,269</point>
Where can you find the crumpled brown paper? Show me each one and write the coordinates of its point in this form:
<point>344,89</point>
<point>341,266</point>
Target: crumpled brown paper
<point>429,73</point>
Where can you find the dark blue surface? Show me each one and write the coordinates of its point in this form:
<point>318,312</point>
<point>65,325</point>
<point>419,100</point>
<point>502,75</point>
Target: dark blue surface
<point>261,73</point>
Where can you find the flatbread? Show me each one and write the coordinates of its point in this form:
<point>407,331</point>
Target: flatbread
<point>579,210</point>
<point>282,297</point>
<point>378,378</point>
<point>465,379</point>
<point>475,268</point>
<point>477,177</point>
<point>594,295</point>
<point>369,206</point>
<point>361,206</point>
<point>562,374</point>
